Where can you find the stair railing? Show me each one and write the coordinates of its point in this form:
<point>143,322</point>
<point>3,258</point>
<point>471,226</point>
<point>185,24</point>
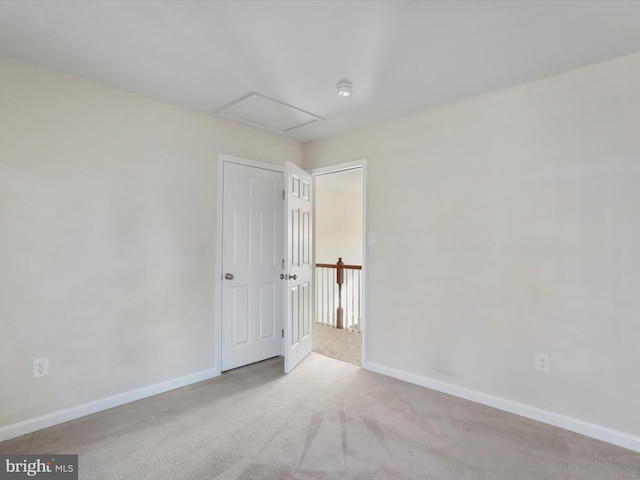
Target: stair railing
<point>338,295</point>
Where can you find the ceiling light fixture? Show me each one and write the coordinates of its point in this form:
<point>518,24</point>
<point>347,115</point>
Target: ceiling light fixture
<point>344,88</point>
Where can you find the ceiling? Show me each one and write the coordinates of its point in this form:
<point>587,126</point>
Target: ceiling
<point>402,56</point>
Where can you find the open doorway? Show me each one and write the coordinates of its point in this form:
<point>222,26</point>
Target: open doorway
<point>339,258</point>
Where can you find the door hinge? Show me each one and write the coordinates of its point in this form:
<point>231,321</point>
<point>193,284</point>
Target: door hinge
<point>283,333</point>
<point>283,194</point>
<point>283,263</point>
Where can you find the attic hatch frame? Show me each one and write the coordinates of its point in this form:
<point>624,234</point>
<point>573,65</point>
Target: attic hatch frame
<point>288,116</point>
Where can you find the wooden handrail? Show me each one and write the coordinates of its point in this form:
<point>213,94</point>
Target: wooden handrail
<point>333,265</point>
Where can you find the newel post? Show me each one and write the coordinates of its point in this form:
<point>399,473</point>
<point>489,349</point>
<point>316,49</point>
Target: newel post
<point>339,281</point>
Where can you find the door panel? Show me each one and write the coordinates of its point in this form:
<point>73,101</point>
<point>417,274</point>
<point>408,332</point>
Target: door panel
<point>298,331</point>
<point>268,300</point>
<point>252,251</point>
<point>240,315</point>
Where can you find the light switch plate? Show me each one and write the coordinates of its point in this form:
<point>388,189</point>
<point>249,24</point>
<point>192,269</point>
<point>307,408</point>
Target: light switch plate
<point>372,239</point>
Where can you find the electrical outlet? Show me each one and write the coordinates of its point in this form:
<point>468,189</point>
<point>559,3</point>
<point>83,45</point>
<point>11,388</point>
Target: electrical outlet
<point>542,362</point>
<point>40,367</point>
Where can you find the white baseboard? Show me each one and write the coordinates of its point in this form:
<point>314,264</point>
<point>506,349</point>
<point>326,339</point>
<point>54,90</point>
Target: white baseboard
<point>61,416</point>
<point>592,430</point>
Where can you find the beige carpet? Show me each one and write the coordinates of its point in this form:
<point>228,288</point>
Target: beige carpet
<point>326,420</point>
<point>338,344</point>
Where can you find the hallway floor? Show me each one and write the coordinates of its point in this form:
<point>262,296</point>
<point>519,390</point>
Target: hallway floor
<point>338,344</point>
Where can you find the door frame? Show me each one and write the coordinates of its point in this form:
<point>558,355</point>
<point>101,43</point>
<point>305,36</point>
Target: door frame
<point>341,167</point>
<point>217,284</point>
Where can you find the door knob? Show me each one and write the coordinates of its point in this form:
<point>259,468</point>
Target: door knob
<point>284,276</point>
<point>293,277</point>
<point>228,276</point>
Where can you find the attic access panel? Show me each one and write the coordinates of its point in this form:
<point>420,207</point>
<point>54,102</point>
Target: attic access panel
<point>264,112</point>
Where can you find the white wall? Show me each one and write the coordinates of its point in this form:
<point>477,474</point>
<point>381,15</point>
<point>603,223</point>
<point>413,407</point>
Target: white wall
<point>507,225</point>
<point>107,237</point>
<point>339,217</point>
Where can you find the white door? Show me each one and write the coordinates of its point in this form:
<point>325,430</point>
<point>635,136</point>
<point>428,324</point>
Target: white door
<point>297,278</point>
<point>252,244</point>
